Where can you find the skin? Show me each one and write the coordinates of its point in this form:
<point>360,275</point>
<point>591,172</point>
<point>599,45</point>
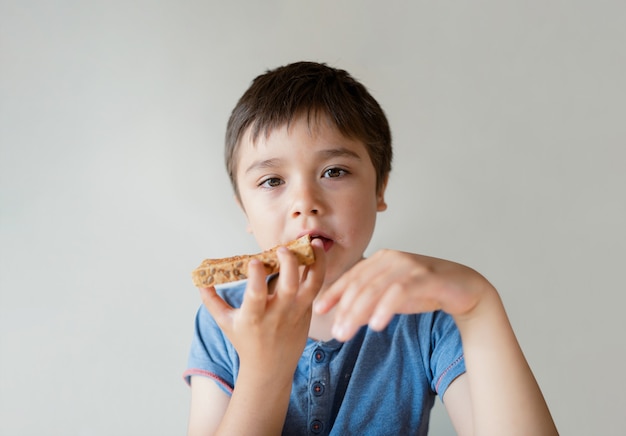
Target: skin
<point>311,179</point>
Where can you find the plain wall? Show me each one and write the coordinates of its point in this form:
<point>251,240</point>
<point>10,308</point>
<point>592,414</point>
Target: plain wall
<point>509,130</point>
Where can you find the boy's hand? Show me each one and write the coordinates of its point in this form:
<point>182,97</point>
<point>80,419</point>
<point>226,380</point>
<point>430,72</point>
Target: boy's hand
<point>269,331</point>
<point>392,282</point>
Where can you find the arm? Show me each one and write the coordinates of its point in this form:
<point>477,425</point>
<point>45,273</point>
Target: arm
<point>500,384</point>
<point>208,406</point>
<point>458,403</point>
<point>498,394</point>
<point>269,332</point>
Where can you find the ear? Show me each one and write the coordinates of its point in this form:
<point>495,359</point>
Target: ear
<point>381,205</point>
<point>238,201</point>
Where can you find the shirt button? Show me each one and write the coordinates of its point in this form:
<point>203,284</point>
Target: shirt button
<point>317,389</point>
<point>319,356</point>
<point>317,426</point>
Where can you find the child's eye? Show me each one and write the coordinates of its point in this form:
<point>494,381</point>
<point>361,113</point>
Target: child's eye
<point>335,172</point>
<point>271,182</point>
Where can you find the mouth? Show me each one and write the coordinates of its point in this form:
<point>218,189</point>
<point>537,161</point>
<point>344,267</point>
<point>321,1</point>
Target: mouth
<point>326,241</point>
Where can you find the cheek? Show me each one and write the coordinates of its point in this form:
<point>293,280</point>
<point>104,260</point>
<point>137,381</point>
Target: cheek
<point>263,221</point>
<point>362,204</point>
<point>361,211</point>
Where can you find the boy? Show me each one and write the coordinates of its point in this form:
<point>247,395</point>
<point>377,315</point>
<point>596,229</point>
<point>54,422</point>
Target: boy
<point>347,345</point>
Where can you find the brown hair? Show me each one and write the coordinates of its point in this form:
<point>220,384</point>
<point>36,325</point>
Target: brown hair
<point>312,89</point>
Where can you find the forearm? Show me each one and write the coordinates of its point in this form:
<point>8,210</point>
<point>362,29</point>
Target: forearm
<point>506,398</point>
<point>258,405</point>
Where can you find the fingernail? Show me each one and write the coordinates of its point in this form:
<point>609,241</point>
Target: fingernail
<point>318,306</point>
<point>317,242</point>
<point>376,322</point>
<point>339,331</point>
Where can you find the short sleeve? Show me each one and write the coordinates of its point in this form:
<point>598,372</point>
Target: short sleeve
<point>446,357</point>
<point>211,354</point>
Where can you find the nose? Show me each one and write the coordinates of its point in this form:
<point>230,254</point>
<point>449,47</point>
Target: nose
<point>307,200</point>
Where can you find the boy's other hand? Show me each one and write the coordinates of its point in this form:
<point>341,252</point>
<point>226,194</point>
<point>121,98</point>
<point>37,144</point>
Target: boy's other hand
<point>394,282</point>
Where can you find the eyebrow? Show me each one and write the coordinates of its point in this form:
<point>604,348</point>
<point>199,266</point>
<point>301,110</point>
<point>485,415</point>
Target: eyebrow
<point>260,164</point>
<point>325,154</point>
<point>339,152</point>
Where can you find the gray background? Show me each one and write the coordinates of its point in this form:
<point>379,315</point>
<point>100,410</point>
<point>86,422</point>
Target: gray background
<point>509,128</point>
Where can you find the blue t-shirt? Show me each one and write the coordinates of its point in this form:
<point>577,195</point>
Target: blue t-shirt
<point>377,383</point>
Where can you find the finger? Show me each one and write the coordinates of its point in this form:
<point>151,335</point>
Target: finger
<point>314,274</point>
<point>255,296</point>
<point>365,283</point>
<point>370,278</point>
<point>217,307</point>
<point>356,312</point>
<point>365,308</point>
<point>387,307</point>
<point>333,295</point>
<point>289,276</point>
<point>371,282</point>
<point>351,312</point>
<point>416,296</point>
<point>326,301</point>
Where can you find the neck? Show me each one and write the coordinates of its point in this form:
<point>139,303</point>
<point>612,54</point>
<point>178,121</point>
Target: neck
<point>321,325</point>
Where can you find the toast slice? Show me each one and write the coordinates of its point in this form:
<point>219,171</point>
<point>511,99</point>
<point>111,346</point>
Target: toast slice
<point>213,272</point>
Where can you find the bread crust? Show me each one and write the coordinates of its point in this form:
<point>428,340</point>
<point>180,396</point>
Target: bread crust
<point>213,272</point>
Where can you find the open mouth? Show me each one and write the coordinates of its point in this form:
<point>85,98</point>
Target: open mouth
<point>328,243</point>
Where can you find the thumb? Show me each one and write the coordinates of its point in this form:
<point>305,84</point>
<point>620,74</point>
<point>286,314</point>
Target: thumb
<point>217,307</point>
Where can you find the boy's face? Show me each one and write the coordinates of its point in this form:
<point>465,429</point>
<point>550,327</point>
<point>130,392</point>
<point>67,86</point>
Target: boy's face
<point>310,180</point>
